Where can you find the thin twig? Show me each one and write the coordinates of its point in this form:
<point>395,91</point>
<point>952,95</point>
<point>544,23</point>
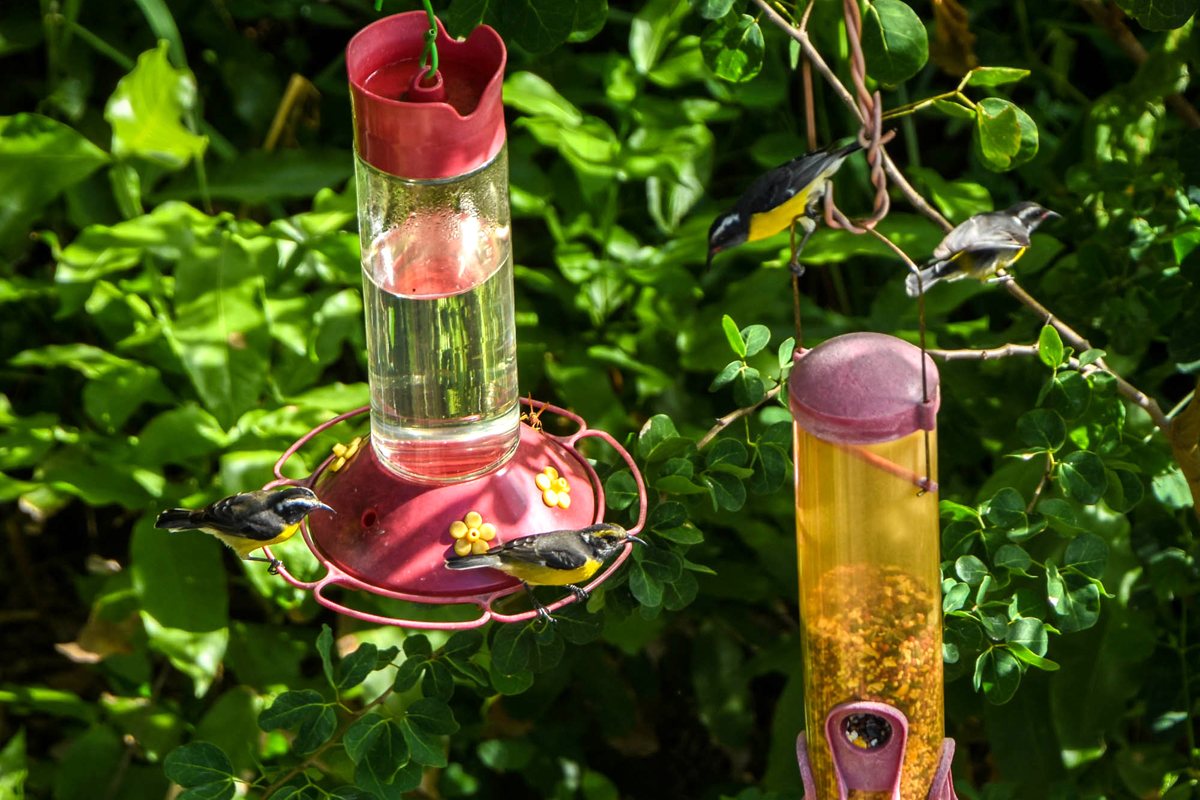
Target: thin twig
<point>733,416</point>
<point>984,355</point>
<point>1041,484</point>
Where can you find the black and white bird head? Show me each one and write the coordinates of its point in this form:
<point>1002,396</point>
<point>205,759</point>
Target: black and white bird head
<point>1030,214</point>
<point>728,230</point>
<point>604,539</point>
<point>295,503</point>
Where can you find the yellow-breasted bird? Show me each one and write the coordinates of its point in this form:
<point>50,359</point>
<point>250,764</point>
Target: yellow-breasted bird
<point>982,246</point>
<point>555,558</point>
<point>250,520</point>
<point>792,191</point>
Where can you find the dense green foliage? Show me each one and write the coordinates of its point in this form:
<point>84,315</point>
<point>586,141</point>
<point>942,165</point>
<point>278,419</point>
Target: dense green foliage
<point>180,291</point>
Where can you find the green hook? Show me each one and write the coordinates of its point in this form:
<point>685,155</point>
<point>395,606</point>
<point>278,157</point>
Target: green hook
<point>430,37</point>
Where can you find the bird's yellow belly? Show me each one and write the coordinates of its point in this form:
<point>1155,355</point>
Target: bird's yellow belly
<point>545,576</point>
<point>983,268</point>
<point>245,547</point>
<point>779,218</point>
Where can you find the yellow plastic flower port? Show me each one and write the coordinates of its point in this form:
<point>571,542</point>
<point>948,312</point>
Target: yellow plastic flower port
<point>344,453</point>
<point>472,534</point>
<point>554,489</point>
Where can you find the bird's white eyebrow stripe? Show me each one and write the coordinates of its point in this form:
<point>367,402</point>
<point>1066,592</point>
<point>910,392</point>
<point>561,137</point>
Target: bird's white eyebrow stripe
<point>731,219</point>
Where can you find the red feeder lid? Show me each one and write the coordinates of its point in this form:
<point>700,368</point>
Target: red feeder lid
<point>415,134</point>
<point>863,388</point>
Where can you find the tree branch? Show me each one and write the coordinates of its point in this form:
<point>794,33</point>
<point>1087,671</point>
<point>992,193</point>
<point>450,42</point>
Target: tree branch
<point>1111,19</point>
<point>733,416</point>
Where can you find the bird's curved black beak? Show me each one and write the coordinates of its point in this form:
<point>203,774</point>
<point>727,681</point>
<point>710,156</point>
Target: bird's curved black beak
<point>1051,215</point>
<point>322,505</point>
<point>708,263</point>
<point>631,538</point>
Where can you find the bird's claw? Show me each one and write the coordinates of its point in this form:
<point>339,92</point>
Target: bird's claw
<point>580,594</point>
<point>1003,277</point>
<point>796,268</point>
<point>544,615</point>
<point>273,568</point>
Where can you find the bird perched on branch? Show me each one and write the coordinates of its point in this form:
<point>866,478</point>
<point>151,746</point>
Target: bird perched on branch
<point>983,246</point>
<point>250,520</point>
<point>789,193</point>
<point>557,558</point>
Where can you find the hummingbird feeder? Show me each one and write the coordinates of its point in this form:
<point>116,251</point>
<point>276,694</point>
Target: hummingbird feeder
<point>867,534</point>
<point>449,467</point>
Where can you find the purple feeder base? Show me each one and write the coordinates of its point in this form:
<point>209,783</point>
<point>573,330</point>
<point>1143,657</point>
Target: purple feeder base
<point>390,537</point>
<point>877,770</point>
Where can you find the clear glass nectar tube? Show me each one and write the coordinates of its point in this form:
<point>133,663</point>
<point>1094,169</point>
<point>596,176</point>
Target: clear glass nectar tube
<point>870,595</point>
<point>438,296</point>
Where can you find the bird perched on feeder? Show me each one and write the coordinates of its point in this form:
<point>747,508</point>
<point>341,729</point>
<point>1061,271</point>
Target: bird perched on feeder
<point>791,192</point>
<point>557,558</point>
<point>983,246</point>
<point>250,520</point>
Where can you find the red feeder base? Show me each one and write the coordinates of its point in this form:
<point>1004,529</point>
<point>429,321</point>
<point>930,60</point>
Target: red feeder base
<point>391,537</point>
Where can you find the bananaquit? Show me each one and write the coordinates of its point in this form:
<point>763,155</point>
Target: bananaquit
<point>789,192</point>
<point>982,246</point>
<point>250,520</point>
<point>556,558</point>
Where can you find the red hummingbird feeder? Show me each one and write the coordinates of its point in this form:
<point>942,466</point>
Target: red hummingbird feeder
<point>450,468</point>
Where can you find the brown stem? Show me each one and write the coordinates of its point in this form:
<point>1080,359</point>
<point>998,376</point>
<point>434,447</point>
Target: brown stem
<point>1111,18</point>
<point>1041,484</point>
<point>733,416</point>
<point>984,355</point>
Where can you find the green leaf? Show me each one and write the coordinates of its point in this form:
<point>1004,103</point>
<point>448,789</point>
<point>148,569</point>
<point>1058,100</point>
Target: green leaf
<point>464,16</point>
<point>1030,633</point>
<point>1005,136</point>
<point>956,597</point>
<point>378,747</point>
<point>995,76</point>
<point>970,569</point>
<point>512,648</point>
<point>756,338</point>
<point>423,748</point>
<point>1007,509</point>
<point>1082,476</point>
<point>1050,347</point>
<point>258,176</point>
<point>1124,490</point>
<point>728,493</point>
<point>1088,357</point>
<point>726,450</point>
<point>656,430</point>
<point>958,538</point>
<point>997,675</point>
<point>146,109</point>
<point>647,589</point>
<point>733,49</point>
<point>1075,600</point>
<point>786,353</point>
<point>576,625</point>
<point>733,336</point>
<point>211,791</point>
<point>1012,557</point>
<point>325,651</point>
<point>14,767</point>
<point>314,732</point>
<point>894,42</point>
<point>1075,392</point>
<point>1033,659</point>
<point>438,681</point>
<point>620,491</point>
<point>954,110</point>
<point>1160,15</point>
<point>665,516</point>
<point>538,26</point>
<point>432,715</point>
<point>748,388</point>
<point>1060,514</point>
<point>590,16</point>
<point>726,375</point>
<point>39,158</point>
<point>510,683</point>
<point>362,735</point>
<point>1042,427</point>
<point>355,667</point>
<point>197,763</point>
<point>462,645</point>
<point>291,709</point>
<point>1087,553</point>
<point>770,469</point>
<point>711,9</point>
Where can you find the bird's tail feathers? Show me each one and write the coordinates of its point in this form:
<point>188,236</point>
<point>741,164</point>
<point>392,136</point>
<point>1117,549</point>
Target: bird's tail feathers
<point>929,276</point>
<point>473,561</point>
<point>176,518</point>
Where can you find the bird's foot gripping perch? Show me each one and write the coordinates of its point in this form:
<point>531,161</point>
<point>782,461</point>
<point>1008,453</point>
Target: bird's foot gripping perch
<point>274,563</point>
<point>542,612</point>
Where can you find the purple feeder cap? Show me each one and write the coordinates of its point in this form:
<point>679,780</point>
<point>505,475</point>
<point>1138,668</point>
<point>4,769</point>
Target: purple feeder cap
<point>863,388</point>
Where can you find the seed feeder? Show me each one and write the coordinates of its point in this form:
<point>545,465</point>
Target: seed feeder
<point>867,533</point>
<point>449,466</point>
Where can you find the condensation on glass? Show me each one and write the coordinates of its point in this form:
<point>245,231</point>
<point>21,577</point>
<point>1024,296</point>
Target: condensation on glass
<point>870,596</point>
<point>438,292</point>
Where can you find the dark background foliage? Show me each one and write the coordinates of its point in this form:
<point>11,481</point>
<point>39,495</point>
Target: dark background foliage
<point>181,298</point>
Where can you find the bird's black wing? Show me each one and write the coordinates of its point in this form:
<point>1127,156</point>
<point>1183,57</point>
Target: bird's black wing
<point>781,184</point>
<point>557,550</point>
<point>249,515</point>
<point>995,230</point>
